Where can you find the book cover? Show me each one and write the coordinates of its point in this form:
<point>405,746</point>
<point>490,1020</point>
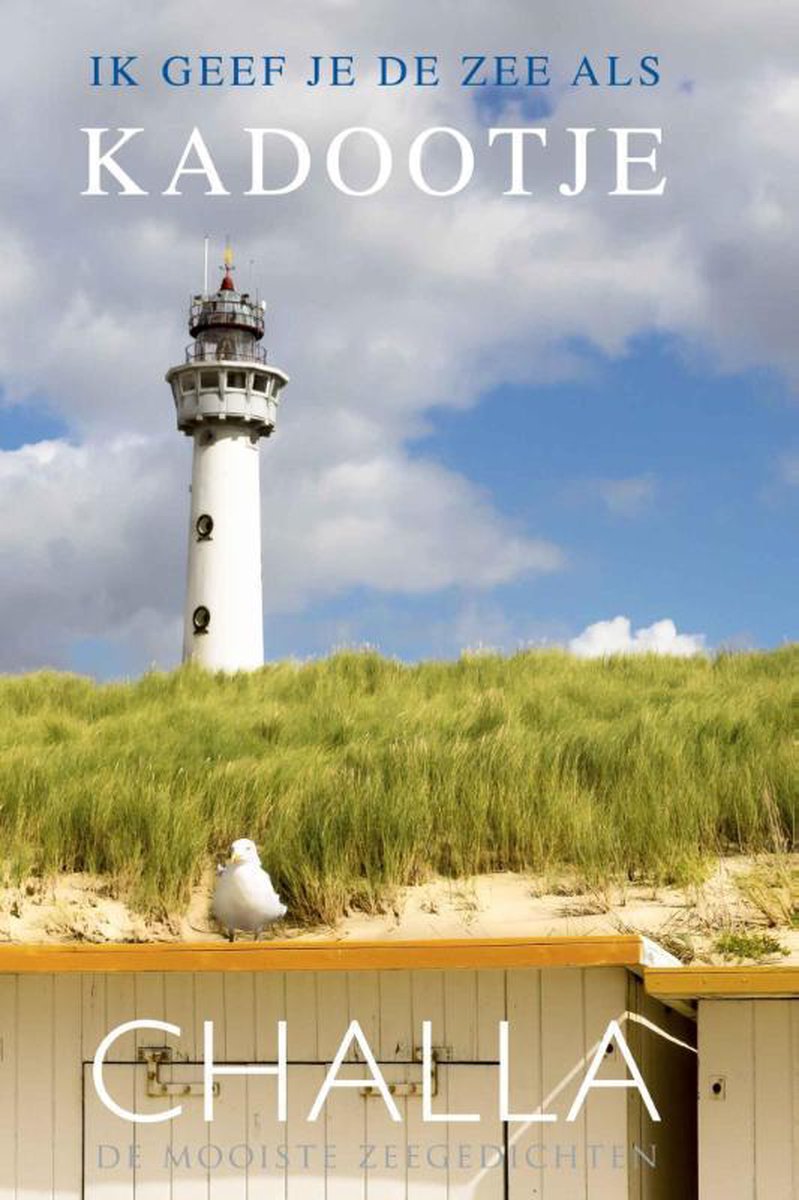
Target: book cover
<point>398,456</point>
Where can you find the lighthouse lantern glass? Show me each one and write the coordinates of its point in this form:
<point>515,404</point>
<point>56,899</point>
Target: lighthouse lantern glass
<point>226,326</point>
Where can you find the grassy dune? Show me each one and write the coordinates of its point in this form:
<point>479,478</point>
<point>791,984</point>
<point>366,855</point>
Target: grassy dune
<point>356,774</point>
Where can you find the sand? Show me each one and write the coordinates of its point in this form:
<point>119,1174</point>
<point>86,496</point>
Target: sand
<point>686,921</point>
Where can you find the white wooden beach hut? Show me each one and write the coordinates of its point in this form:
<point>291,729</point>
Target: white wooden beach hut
<point>748,1037</point>
<point>58,1140</point>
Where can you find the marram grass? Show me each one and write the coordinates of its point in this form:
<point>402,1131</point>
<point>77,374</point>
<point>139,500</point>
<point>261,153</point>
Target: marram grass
<point>357,774</point>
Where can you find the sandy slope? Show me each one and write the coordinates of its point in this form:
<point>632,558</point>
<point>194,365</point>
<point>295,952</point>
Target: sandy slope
<point>81,908</point>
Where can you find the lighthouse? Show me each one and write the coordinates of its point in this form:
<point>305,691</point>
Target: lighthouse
<point>226,397</point>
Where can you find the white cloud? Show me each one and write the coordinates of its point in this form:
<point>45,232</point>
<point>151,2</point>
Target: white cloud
<point>92,544</point>
<point>96,534</point>
<point>390,523</point>
<point>617,636</point>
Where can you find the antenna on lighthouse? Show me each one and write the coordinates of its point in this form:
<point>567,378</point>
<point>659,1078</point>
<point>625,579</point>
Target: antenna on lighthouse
<point>206,241</point>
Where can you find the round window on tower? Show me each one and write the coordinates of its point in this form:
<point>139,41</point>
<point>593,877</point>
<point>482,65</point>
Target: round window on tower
<point>201,619</point>
<point>204,526</point>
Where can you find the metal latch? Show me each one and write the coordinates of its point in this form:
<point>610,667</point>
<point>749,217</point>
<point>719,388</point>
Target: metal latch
<point>404,1079</point>
<point>156,1057</point>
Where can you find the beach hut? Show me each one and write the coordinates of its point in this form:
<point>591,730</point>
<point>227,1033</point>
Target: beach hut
<point>559,996</point>
<point>748,1040</point>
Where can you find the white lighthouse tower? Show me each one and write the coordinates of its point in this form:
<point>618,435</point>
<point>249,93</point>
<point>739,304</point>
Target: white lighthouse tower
<point>226,400</point>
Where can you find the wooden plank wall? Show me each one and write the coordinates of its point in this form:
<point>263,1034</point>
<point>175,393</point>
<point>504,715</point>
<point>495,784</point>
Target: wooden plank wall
<point>51,1025</point>
<point>749,1099</point>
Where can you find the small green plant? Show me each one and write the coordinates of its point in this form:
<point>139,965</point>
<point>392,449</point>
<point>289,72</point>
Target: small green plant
<point>747,945</point>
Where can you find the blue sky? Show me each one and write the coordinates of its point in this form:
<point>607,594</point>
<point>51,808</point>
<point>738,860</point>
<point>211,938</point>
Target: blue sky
<point>21,424</point>
<point>704,537</point>
<point>708,545</point>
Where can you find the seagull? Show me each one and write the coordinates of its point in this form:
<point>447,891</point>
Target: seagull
<point>243,896</point>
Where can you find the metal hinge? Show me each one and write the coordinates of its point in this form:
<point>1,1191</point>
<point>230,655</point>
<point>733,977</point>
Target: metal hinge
<point>156,1057</point>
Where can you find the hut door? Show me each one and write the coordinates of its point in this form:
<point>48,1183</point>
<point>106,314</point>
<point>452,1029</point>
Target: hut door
<point>352,1152</point>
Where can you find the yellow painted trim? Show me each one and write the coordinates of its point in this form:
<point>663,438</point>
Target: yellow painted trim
<point>704,983</point>
<point>619,950</point>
